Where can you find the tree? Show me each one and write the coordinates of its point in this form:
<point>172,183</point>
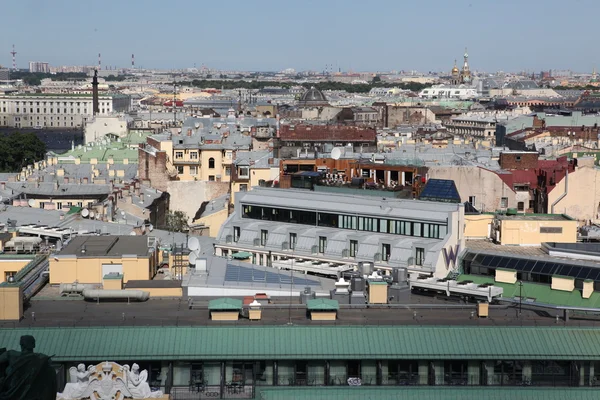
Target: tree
<point>177,221</point>
<point>376,79</point>
<point>17,150</point>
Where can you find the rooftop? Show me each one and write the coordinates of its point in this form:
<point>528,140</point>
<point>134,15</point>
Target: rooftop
<point>535,217</point>
<point>106,246</point>
<point>311,343</point>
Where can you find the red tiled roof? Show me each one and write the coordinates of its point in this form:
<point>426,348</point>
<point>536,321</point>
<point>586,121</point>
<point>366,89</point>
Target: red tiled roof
<point>321,133</point>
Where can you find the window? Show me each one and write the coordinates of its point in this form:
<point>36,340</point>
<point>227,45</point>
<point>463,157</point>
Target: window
<point>228,155</point>
<point>472,200</point>
<point>551,229</point>
<point>353,248</point>
<point>211,178</point>
<point>244,172</point>
<point>518,158</point>
<point>228,171</point>
<point>180,169</point>
<point>386,250</point>
<point>69,204</point>
<point>211,163</point>
<point>8,275</point>
<point>264,236</point>
<point>504,202</point>
<point>80,204</point>
<point>420,256</point>
<point>322,244</point>
<point>236,233</point>
<point>59,205</point>
<point>293,240</point>
<point>243,187</point>
<point>520,206</point>
<point>178,155</point>
<point>194,155</point>
<point>193,170</point>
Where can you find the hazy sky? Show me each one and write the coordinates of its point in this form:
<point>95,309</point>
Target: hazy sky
<point>376,35</point>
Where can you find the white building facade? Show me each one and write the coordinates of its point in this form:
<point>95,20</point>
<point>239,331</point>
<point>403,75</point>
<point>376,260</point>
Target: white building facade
<point>50,110</point>
<point>326,232</point>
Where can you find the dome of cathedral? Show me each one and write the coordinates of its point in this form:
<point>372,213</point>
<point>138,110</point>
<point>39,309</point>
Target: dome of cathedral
<point>313,96</point>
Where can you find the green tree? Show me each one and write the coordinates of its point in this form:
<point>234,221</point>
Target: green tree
<point>177,221</point>
<point>18,150</point>
<point>376,79</point>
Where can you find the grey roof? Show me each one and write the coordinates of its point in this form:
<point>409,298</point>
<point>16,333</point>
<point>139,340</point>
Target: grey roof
<point>341,203</point>
<point>521,84</point>
<point>256,158</point>
<point>64,190</point>
<point>106,246</point>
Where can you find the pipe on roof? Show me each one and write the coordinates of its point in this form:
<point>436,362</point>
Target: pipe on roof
<point>97,294</point>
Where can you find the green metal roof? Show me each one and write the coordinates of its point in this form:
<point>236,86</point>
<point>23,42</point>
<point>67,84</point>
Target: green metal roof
<point>311,343</point>
<point>225,304</point>
<point>425,393</point>
<point>322,305</point>
<point>540,292</point>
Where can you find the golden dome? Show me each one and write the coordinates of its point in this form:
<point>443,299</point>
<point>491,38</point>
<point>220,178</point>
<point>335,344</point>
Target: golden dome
<point>455,70</point>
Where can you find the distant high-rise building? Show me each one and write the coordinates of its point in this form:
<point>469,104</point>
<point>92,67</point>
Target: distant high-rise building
<point>36,66</point>
<point>4,74</point>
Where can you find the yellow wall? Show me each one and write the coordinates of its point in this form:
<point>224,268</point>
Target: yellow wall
<point>564,284</point>
<point>506,276</point>
<point>14,265</point>
<point>588,289</point>
<point>323,315</point>
<point>224,315</point>
<point>254,314</point>
<point>477,226</point>
<point>527,231</point>
<point>89,270</point>
<point>214,221</point>
<point>112,284</point>
<point>63,202</point>
<point>11,303</point>
<point>378,294</point>
<point>256,175</point>
<point>201,162</point>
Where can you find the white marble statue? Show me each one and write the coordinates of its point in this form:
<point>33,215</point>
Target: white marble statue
<point>78,383</point>
<point>107,381</point>
<point>137,383</point>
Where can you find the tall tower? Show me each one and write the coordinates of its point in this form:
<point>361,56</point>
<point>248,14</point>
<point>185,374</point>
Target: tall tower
<point>99,61</point>
<point>14,58</point>
<point>466,73</point>
<point>132,61</point>
<point>95,105</point>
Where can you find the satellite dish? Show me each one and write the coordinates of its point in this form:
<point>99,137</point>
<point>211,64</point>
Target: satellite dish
<point>92,214</point>
<point>85,213</point>
<point>31,202</point>
<point>193,243</point>
<point>150,227</point>
<point>123,213</point>
<point>336,153</point>
<point>192,259</point>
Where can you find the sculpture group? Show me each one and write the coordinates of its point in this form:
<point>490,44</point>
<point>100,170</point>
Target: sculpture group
<point>108,381</point>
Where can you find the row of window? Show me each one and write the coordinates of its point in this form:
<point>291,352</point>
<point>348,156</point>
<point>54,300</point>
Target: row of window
<point>385,251</point>
<point>344,221</point>
<point>51,103</point>
<point>68,204</point>
<point>193,170</point>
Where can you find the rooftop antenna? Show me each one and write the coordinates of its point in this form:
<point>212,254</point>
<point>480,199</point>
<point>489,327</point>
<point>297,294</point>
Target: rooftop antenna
<point>14,58</point>
<point>174,103</point>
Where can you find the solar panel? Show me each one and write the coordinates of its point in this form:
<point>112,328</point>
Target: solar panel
<point>443,190</point>
<point>235,273</point>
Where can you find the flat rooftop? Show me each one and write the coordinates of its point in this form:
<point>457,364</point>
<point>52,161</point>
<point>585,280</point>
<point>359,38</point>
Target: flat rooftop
<point>430,311</point>
<point>106,246</point>
<point>534,217</point>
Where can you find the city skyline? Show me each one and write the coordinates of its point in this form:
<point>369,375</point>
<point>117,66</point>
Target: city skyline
<point>263,35</point>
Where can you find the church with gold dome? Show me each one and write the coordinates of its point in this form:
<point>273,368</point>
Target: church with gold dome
<point>461,77</point>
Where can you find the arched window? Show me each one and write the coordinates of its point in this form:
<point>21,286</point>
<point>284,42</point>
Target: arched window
<point>211,163</point>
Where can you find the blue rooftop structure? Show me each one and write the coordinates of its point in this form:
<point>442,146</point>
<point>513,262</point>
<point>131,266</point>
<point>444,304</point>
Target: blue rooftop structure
<point>443,190</point>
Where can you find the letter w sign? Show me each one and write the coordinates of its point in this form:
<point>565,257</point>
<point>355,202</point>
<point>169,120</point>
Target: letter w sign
<point>451,256</point>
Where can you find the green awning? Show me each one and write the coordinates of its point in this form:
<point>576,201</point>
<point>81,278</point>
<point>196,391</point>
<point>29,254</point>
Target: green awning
<point>74,210</point>
<point>241,255</point>
<point>322,305</point>
<point>225,304</point>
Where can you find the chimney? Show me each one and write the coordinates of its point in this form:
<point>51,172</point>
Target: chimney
<point>3,185</point>
<point>95,105</point>
<point>56,185</point>
<point>85,180</point>
<point>65,180</point>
